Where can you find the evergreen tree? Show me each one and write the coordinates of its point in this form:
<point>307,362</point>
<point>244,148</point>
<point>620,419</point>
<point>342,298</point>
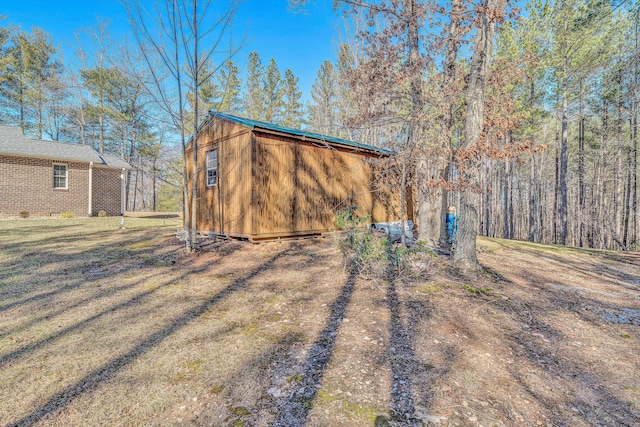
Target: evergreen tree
<point>345,105</point>
<point>322,110</point>
<point>292,113</point>
<point>273,90</point>
<point>31,62</point>
<point>227,89</point>
<point>97,81</point>
<point>254,100</point>
<point>208,92</point>
<point>95,74</point>
<point>56,122</point>
<point>5,54</point>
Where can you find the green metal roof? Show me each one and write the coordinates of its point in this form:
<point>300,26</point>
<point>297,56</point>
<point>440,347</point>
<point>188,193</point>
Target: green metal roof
<point>256,124</point>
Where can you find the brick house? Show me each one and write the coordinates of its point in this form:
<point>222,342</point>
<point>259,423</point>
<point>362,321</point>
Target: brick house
<point>49,178</point>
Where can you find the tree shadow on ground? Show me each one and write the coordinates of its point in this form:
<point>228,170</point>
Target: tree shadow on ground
<point>533,341</point>
<point>411,377</point>
<point>93,380</point>
<point>597,259</point>
<point>297,405</point>
<point>401,356</point>
<point>93,264</point>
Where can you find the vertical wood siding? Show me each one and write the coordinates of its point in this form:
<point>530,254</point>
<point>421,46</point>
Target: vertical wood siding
<point>299,186</point>
<point>224,208</point>
<point>270,185</point>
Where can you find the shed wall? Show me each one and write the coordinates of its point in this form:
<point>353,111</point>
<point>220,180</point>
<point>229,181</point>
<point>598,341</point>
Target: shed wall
<point>299,186</point>
<point>224,208</point>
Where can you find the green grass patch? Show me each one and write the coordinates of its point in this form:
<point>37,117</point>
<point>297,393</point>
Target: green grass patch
<point>294,379</point>
<point>493,245</point>
<point>363,411</point>
<point>239,411</point>
<point>141,245</point>
<point>429,288</point>
<point>478,291</point>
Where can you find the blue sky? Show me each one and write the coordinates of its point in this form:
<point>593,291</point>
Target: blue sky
<point>300,42</point>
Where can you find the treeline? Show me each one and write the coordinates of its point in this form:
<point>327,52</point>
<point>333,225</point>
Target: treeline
<point>106,99</point>
<point>526,122</point>
<point>101,101</point>
<point>580,100</point>
<point>555,159</point>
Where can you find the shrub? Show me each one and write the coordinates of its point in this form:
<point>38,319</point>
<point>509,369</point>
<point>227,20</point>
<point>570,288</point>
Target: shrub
<point>102,214</point>
<point>373,254</point>
<point>24,214</point>
<point>67,215</point>
<point>367,252</point>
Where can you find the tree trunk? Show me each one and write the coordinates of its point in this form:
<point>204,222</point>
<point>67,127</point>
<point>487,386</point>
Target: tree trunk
<point>196,85</point>
<point>617,178</point>
<point>155,186</point>
<point>505,200</point>
<point>627,200</point>
<point>581,188</point>
<point>603,212</point>
<point>403,192</point>
<point>634,136</point>
<point>512,217</point>
<point>564,159</point>
<point>425,199</point>
<point>533,226</point>
<point>556,187</point>
<point>433,205</point>
<point>450,60</point>
<point>487,197</point>
<point>464,256</point>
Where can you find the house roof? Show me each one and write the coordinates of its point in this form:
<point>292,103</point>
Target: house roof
<point>14,143</point>
<point>256,124</point>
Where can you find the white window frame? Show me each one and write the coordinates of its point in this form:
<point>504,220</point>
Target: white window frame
<point>212,168</point>
<point>65,176</point>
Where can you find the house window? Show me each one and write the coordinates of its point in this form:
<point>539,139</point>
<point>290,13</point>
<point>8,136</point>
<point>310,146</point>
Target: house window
<point>60,176</point>
<point>212,168</point>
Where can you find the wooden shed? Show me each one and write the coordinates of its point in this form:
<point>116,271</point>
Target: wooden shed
<point>260,181</point>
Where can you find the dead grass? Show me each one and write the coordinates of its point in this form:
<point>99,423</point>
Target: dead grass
<point>101,326</point>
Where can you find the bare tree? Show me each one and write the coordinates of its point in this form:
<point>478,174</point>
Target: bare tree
<point>171,39</point>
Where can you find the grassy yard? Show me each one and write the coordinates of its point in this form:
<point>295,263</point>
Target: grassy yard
<point>102,326</point>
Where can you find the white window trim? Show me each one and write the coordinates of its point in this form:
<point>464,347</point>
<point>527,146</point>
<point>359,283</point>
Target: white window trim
<point>66,176</point>
<point>208,167</point>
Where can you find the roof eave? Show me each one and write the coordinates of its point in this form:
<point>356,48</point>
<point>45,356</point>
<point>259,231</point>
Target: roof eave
<point>352,148</point>
<point>301,135</point>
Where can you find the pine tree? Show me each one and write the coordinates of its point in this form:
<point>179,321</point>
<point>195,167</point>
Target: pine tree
<point>322,110</point>
<point>254,100</point>
<point>464,257</point>
<point>31,62</point>
<point>5,58</point>
<point>208,92</point>
<point>292,113</point>
<point>273,90</point>
<point>227,89</point>
<point>345,106</point>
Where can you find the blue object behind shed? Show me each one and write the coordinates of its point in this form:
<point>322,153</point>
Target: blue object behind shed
<point>452,224</point>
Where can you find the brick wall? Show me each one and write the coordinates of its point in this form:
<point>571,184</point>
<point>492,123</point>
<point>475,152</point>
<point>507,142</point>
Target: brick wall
<point>106,190</point>
<point>27,184</point>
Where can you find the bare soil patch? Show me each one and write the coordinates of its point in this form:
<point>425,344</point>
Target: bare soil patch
<point>100,326</point>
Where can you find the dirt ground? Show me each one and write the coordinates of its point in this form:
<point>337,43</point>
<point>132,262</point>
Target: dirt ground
<point>101,326</point>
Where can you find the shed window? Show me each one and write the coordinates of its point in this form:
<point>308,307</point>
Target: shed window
<point>212,168</point>
<point>60,176</point>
